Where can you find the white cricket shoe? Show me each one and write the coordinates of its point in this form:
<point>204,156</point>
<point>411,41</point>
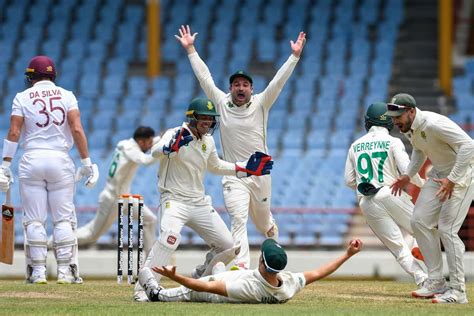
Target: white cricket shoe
<point>451,296</point>
<point>69,276</point>
<point>430,288</point>
<point>37,279</point>
<point>140,296</point>
<point>149,284</point>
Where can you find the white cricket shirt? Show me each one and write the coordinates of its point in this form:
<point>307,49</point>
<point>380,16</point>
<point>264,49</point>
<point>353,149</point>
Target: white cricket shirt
<point>182,176</point>
<point>378,158</point>
<point>44,108</point>
<point>449,148</point>
<point>242,129</point>
<point>248,286</point>
<point>126,159</point>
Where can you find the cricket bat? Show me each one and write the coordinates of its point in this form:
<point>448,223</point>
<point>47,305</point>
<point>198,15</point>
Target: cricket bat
<point>8,231</point>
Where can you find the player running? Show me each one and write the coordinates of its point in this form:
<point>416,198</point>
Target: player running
<point>269,283</point>
<point>47,118</point>
<point>128,156</point>
<point>373,162</point>
<point>243,131</point>
<point>444,200</point>
<point>185,153</point>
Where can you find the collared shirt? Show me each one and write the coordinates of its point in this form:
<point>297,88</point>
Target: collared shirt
<point>181,176</point>
<point>377,158</point>
<point>243,128</point>
<point>44,108</point>
<point>449,148</point>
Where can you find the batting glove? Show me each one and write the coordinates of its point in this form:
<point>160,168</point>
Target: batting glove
<point>89,171</point>
<point>180,139</point>
<point>259,164</point>
<point>6,176</point>
<point>4,183</point>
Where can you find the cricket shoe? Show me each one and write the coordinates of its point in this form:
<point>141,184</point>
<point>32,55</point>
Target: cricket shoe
<point>451,296</point>
<point>198,271</point>
<point>416,252</point>
<point>430,288</point>
<point>140,296</point>
<point>69,276</point>
<point>37,279</point>
<point>149,284</point>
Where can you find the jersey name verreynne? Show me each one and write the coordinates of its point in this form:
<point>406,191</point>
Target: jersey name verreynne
<point>372,145</point>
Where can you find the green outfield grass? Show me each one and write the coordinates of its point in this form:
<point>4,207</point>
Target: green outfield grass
<point>323,298</point>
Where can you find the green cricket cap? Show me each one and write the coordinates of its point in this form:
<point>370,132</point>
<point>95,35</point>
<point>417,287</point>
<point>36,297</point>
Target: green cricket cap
<point>400,103</point>
<point>242,74</point>
<point>274,256</point>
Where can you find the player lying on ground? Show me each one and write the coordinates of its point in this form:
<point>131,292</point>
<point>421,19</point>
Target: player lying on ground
<point>266,284</point>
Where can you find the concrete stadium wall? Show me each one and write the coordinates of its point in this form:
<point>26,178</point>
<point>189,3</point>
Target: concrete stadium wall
<point>103,264</point>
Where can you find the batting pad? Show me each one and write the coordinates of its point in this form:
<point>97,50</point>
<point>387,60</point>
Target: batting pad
<point>225,256</point>
<point>162,250</point>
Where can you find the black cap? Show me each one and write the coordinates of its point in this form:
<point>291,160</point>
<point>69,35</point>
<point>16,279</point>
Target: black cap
<point>242,74</point>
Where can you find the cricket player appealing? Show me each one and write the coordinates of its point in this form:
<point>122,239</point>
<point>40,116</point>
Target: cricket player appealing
<point>128,156</point>
<point>444,200</point>
<point>185,152</point>
<point>267,284</point>
<point>47,118</point>
<point>243,131</point>
<point>373,163</point>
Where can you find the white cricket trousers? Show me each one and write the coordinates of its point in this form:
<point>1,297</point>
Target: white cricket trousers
<point>249,196</point>
<point>434,220</point>
<point>203,219</point>
<point>47,183</point>
<point>385,214</point>
<point>106,216</point>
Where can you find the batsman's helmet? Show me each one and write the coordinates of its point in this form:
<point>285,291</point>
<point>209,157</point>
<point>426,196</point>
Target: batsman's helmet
<point>202,106</point>
<point>39,67</point>
<point>375,116</point>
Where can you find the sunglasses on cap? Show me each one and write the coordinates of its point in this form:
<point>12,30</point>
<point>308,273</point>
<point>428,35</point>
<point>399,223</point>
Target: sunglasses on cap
<point>396,107</point>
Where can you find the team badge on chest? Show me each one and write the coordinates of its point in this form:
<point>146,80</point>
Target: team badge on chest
<point>203,148</point>
<point>423,135</point>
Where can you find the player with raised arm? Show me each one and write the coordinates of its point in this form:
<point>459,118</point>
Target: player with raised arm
<point>185,153</point>
<point>373,163</point>
<point>243,117</point>
<point>268,284</point>
<point>47,118</point>
<point>444,200</point>
<point>128,156</point>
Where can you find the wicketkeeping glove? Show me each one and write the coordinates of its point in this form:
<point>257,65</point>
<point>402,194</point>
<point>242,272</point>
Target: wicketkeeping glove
<point>89,171</point>
<point>258,164</point>
<point>180,139</point>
